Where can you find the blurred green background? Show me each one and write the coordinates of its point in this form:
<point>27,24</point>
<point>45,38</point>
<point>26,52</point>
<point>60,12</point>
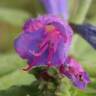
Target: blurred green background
<point>13,14</point>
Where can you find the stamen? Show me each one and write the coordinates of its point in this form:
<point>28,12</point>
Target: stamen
<point>56,45</point>
<point>45,41</point>
<point>51,53</point>
<point>41,51</point>
<point>28,67</point>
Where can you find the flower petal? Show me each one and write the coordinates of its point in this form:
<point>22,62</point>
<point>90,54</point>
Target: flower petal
<point>74,71</point>
<point>63,9</point>
<point>51,6</point>
<point>48,44</point>
<point>26,42</point>
<point>59,7</point>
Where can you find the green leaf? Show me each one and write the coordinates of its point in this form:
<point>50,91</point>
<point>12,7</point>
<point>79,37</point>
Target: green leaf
<point>9,63</point>
<point>16,78</point>
<point>11,72</point>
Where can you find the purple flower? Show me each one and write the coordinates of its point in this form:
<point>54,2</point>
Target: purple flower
<point>45,41</point>
<point>74,71</point>
<point>57,7</point>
